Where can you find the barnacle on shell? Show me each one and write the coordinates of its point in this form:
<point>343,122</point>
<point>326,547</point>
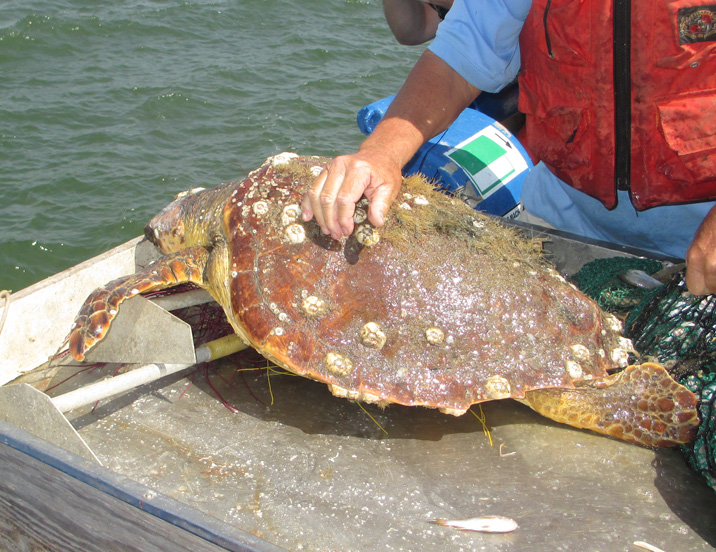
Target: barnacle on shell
<point>290,214</point>
<point>454,411</point>
<point>295,233</point>
<point>372,335</point>
<point>574,369</point>
<point>260,208</point>
<point>580,352</point>
<point>338,364</point>
<point>188,192</point>
<point>498,387</point>
<point>367,235</point>
<point>435,336</point>
<point>314,307</point>
<point>282,158</point>
<point>359,215</point>
<point>344,393</point>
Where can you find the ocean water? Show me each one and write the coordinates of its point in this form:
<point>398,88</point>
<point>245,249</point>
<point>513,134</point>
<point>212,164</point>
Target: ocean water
<point>109,108</point>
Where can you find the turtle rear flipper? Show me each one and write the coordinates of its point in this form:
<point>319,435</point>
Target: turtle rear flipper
<point>100,308</point>
<point>641,404</point>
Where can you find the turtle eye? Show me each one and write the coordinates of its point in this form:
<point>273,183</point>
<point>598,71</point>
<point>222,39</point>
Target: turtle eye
<point>151,233</point>
<point>167,237</point>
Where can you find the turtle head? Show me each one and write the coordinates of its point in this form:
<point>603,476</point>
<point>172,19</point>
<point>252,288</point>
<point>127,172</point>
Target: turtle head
<point>174,228</point>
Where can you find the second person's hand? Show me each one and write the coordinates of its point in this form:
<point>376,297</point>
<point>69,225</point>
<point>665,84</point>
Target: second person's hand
<point>701,258</point>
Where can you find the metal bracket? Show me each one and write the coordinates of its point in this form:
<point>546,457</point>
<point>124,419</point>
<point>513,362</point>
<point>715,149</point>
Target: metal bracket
<point>144,333</point>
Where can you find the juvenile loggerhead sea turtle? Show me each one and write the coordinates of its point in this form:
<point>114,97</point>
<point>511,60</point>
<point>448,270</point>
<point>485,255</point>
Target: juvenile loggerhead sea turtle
<point>442,307</point>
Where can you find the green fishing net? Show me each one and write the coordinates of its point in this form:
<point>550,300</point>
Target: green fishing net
<point>599,279</point>
<point>672,327</point>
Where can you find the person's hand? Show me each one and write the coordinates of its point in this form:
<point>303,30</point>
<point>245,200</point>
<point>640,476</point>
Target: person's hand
<point>701,258</point>
<point>332,197</point>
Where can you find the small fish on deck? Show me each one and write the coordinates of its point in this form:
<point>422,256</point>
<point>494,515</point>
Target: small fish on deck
<point>484,524</point>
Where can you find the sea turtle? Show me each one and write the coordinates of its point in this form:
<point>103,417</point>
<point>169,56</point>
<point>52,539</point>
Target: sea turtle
<point>441,307</point>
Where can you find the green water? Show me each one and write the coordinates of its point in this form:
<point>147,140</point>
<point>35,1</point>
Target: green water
<point>109,108</point>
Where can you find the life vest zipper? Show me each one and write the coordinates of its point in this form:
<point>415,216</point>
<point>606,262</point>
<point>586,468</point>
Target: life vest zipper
<point>622,93</point>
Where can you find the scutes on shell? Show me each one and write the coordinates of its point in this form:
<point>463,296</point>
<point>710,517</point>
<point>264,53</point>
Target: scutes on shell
<point>359,284</point>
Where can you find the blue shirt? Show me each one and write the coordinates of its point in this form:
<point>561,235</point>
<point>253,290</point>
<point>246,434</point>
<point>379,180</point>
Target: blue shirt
<point>485,51</point>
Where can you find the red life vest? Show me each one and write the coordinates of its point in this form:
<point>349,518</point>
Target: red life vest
<point>630,105</point>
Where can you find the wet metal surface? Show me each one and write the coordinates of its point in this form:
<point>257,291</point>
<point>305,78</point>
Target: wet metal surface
<point>315,472</point>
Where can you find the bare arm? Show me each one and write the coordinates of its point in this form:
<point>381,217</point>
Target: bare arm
<point>411,21</point>
<point>430,100</point>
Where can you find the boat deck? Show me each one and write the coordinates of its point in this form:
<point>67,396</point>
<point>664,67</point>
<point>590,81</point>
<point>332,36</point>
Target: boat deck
<point>314,472</point>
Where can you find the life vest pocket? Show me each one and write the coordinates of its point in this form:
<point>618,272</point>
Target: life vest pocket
<point>562,139</point>
<point>687,125</point>
<point>564,43</point>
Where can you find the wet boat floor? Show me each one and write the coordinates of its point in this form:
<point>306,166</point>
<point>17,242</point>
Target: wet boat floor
<point>278,456</point>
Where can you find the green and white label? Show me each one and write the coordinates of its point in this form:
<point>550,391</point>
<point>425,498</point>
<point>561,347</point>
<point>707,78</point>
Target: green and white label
<point>489,159</point>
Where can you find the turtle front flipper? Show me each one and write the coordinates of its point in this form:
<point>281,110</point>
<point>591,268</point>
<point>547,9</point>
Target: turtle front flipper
<point>642,404</point>
<point>100,308</point>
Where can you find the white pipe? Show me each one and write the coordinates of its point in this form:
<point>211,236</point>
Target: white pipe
<point>144,374</point>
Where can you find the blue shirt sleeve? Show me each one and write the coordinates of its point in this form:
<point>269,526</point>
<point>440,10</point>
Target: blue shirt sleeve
<point>480,40</point>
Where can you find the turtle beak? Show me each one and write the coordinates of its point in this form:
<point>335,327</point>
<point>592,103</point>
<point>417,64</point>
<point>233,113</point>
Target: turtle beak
<point>166,230</point>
